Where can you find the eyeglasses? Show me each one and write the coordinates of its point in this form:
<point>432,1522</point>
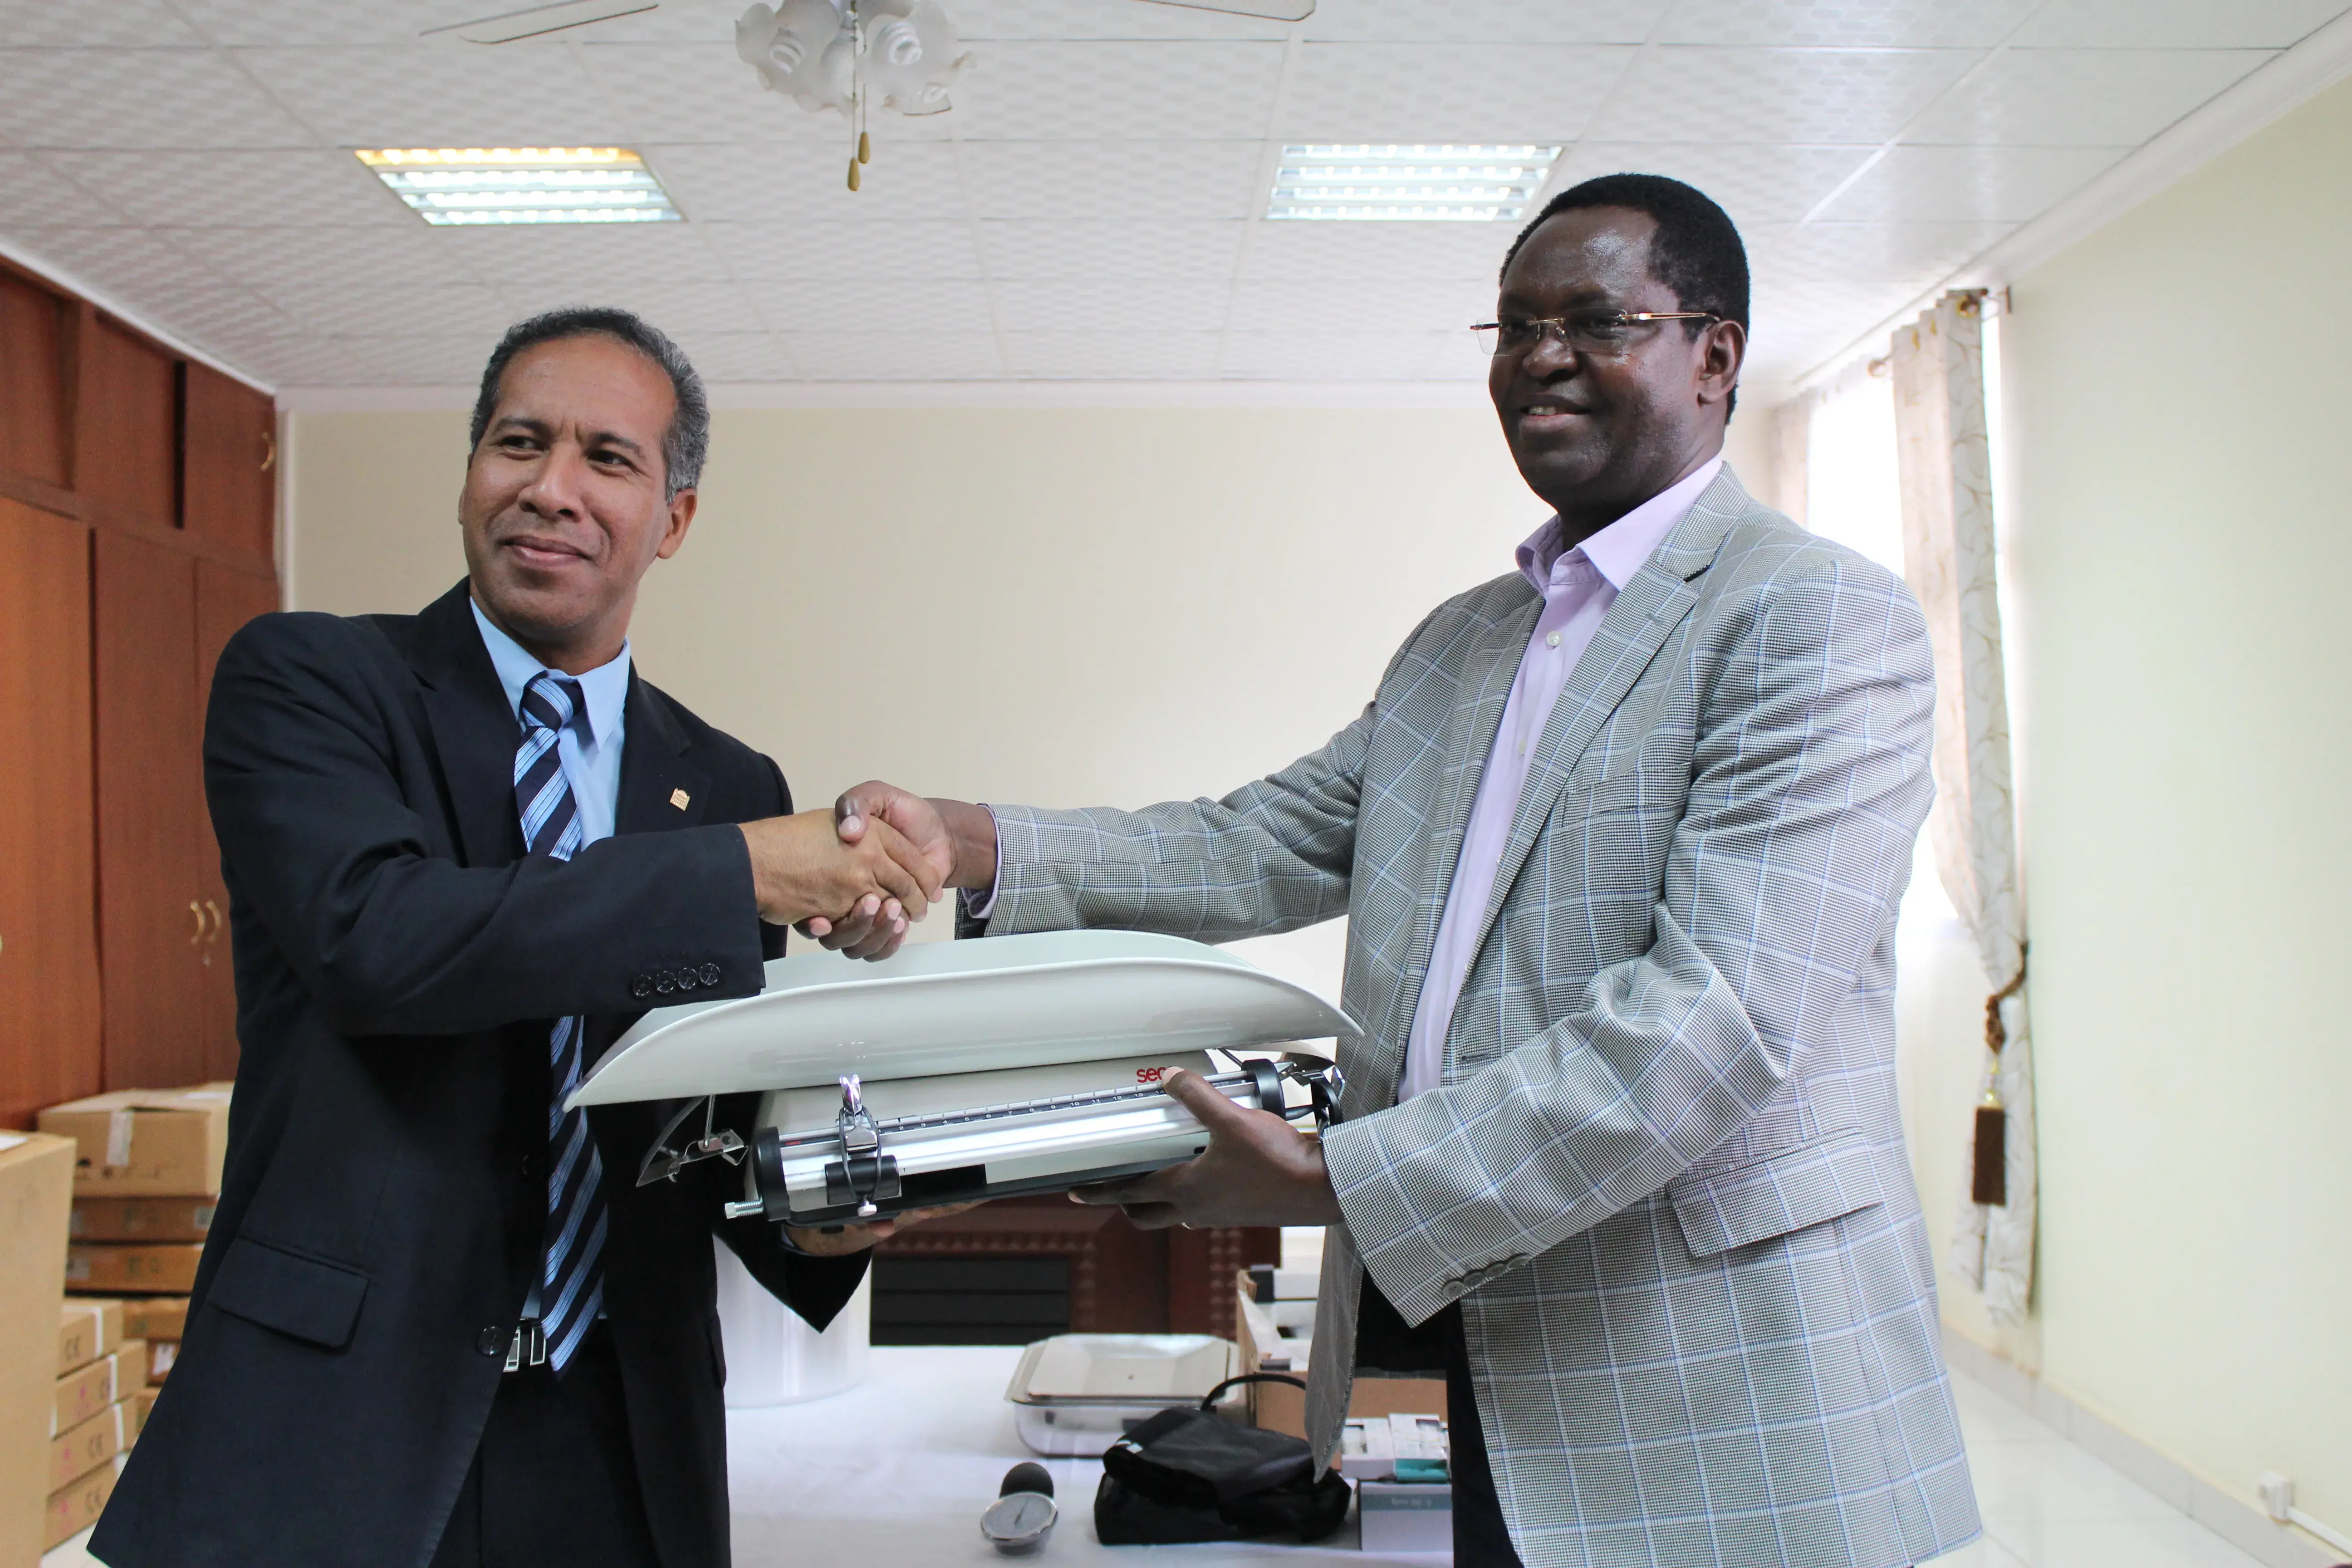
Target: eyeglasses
<point>1586,332</point>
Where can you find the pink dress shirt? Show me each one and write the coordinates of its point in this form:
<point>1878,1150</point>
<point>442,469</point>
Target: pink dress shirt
<point>1578,586</point>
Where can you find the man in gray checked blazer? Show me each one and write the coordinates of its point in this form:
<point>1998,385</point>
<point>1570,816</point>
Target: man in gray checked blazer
<point>1620,839</point>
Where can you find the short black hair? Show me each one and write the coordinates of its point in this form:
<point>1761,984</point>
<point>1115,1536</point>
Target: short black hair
<point>1697,251</point>
<point>687,440</point>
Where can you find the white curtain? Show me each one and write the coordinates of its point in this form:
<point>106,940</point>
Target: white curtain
<point>1947,551</point>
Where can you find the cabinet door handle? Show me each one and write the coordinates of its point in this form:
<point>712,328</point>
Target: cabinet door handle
<point>268,451</point>
<point>196,910</point>
<point>213,910</point>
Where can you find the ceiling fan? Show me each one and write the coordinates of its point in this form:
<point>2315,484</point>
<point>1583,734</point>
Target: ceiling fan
<point>537,21</point>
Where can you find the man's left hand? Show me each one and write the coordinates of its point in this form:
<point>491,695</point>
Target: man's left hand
<point>1257,1170</point>
<point>849,1238</point>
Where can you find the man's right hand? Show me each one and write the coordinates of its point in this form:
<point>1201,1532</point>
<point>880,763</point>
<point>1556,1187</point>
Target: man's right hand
<point>956,839</point>
<point>803,870</point>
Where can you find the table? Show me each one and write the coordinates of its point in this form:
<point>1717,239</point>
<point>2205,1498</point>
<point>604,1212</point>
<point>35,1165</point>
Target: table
<point>894,1473</point>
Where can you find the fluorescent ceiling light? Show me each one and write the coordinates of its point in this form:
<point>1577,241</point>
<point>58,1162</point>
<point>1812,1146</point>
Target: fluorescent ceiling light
<point>464,186</point>
<point>1429,183</point>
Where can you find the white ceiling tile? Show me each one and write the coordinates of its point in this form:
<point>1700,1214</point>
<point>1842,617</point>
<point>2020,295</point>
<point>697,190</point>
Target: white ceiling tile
<point>1987,184</point>
<point>1156,181</point>
<point>1119,91</point>
<point>224,315</point>
<point>301,362</point>
<point>1459,92</point>
<point>577,256</point>
<point>1389,307</point>
<point>1041,249</point>
<point>2065,97</point>
<point>1336,355</point>
<point>1887,23</point>
<point>381,266</point>
<point>2178,24</point>
<point>671,22</point>
<point>1112,356</point>
<point>741,357</point>
<point>845,249</point>
<point>882,304</point>
<point>331,22</point>
<point>435,95</point>
<point>1112,306</point>
<point>1483,21</point>
<point>419,359</point>
<point>305,187</point>
<point>980,22</point>
<point>138,266</point>
<point>897,356</point>
<point>703,92</point>
<point>1704,94</point>
<point>136,98</point>
<point>1914,251</point>
<point>120,23</point>
<point>1757,184</point>
<point>36,192</point>
<point>1464,252</point>
<point>328,305</point>
<point>784,181</point>
<point>685,310</point>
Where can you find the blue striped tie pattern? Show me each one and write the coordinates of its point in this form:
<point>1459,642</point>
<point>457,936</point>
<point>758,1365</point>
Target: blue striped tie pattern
<point>571,1289</point>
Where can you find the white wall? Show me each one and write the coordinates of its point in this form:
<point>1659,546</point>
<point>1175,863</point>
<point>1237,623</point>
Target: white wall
<point>2181,549</point>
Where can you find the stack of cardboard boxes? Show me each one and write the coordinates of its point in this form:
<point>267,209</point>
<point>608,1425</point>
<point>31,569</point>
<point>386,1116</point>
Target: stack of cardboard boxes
<point>35,1188</point>
<point>147,1172</point>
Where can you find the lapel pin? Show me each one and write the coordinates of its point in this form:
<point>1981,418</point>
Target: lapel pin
<point>678,797</point>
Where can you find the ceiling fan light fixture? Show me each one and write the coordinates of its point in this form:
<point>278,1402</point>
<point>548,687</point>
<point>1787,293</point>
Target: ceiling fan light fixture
<point>463,187</point>
<point>1408,182</point>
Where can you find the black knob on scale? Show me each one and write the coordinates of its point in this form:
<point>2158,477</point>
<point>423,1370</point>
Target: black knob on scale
<point>1023,1514</point>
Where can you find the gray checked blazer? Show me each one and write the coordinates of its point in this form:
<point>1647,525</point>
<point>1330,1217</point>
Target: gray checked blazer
<point>1664,1175</point>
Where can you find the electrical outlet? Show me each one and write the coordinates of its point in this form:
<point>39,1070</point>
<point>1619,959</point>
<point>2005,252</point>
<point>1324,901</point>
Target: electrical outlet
<point>2277,1493</point>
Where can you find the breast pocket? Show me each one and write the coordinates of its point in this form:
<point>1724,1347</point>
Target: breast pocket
<point>1834,1174</point>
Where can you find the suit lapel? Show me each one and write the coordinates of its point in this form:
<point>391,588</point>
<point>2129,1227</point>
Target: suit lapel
<point>1652,604</point>
<point>473,733</point>
<point>660,789</point>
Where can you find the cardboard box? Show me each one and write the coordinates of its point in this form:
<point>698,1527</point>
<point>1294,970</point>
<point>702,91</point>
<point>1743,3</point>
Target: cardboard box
<point>137,1408</point>
<point>82,1394</point>
<point>77,1508</point>
<point>1278,1407</point>
<point>142,1219</point>
<point>169,1266</point>
<point>77,1452</point>
<point>161,1354</point>
<point>1397,1516</point>
<point>152,1317</point>
<point>90,1330</point>
<point>138,1142</point>
<point>36,1194</point>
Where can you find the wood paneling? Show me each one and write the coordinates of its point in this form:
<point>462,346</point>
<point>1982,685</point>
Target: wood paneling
<point>48,935</point>
<point>37,334</point>
<point>229,482</point>
<point>226,599</point>
<point>129,458</point>
<point>152,926</point>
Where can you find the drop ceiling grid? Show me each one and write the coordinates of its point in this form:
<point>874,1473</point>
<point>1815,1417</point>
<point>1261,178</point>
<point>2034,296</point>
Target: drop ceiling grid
<point>1089,210</point>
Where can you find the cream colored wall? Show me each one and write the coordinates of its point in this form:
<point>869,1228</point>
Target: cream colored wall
<point>1065,606</point>
<point>2180,551</point>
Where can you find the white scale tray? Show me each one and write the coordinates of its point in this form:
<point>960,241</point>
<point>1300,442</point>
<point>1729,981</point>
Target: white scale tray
<point>1032,1001</point>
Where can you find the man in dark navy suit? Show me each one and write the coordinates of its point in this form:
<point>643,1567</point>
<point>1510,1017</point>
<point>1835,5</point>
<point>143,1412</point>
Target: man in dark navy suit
<point>437,1322</point>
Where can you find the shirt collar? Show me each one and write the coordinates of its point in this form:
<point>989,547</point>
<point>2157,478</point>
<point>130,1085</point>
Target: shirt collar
<point>1618,550</point>
<point>603,691</point>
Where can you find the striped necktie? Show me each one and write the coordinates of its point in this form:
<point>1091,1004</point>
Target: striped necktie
<point>572,1288</point>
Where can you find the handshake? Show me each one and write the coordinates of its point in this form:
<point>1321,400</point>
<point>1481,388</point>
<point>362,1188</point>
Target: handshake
<point>855,877</point>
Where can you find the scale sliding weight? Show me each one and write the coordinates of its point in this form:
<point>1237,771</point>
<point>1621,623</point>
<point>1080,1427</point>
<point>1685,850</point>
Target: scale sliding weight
<point>969,1071</point>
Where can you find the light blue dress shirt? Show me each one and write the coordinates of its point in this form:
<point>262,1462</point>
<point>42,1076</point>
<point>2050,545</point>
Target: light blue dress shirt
<point>590,746</point>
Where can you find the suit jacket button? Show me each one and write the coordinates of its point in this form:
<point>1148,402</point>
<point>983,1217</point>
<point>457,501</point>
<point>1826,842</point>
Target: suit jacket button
<point>641,987</point>
<point>666,982</point>
<point>686,980</point>
<point>710,974</point>
<point>492,1341</point>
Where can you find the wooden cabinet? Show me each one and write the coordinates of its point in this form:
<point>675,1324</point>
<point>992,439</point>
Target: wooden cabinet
<point>138,523</point>
<point>48,935</point>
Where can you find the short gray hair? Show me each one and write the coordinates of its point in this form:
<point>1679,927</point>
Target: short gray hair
<point>687,440</point>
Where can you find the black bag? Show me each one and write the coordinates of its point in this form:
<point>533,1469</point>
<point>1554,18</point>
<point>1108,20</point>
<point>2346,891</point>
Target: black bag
<point>1188,1475</point>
